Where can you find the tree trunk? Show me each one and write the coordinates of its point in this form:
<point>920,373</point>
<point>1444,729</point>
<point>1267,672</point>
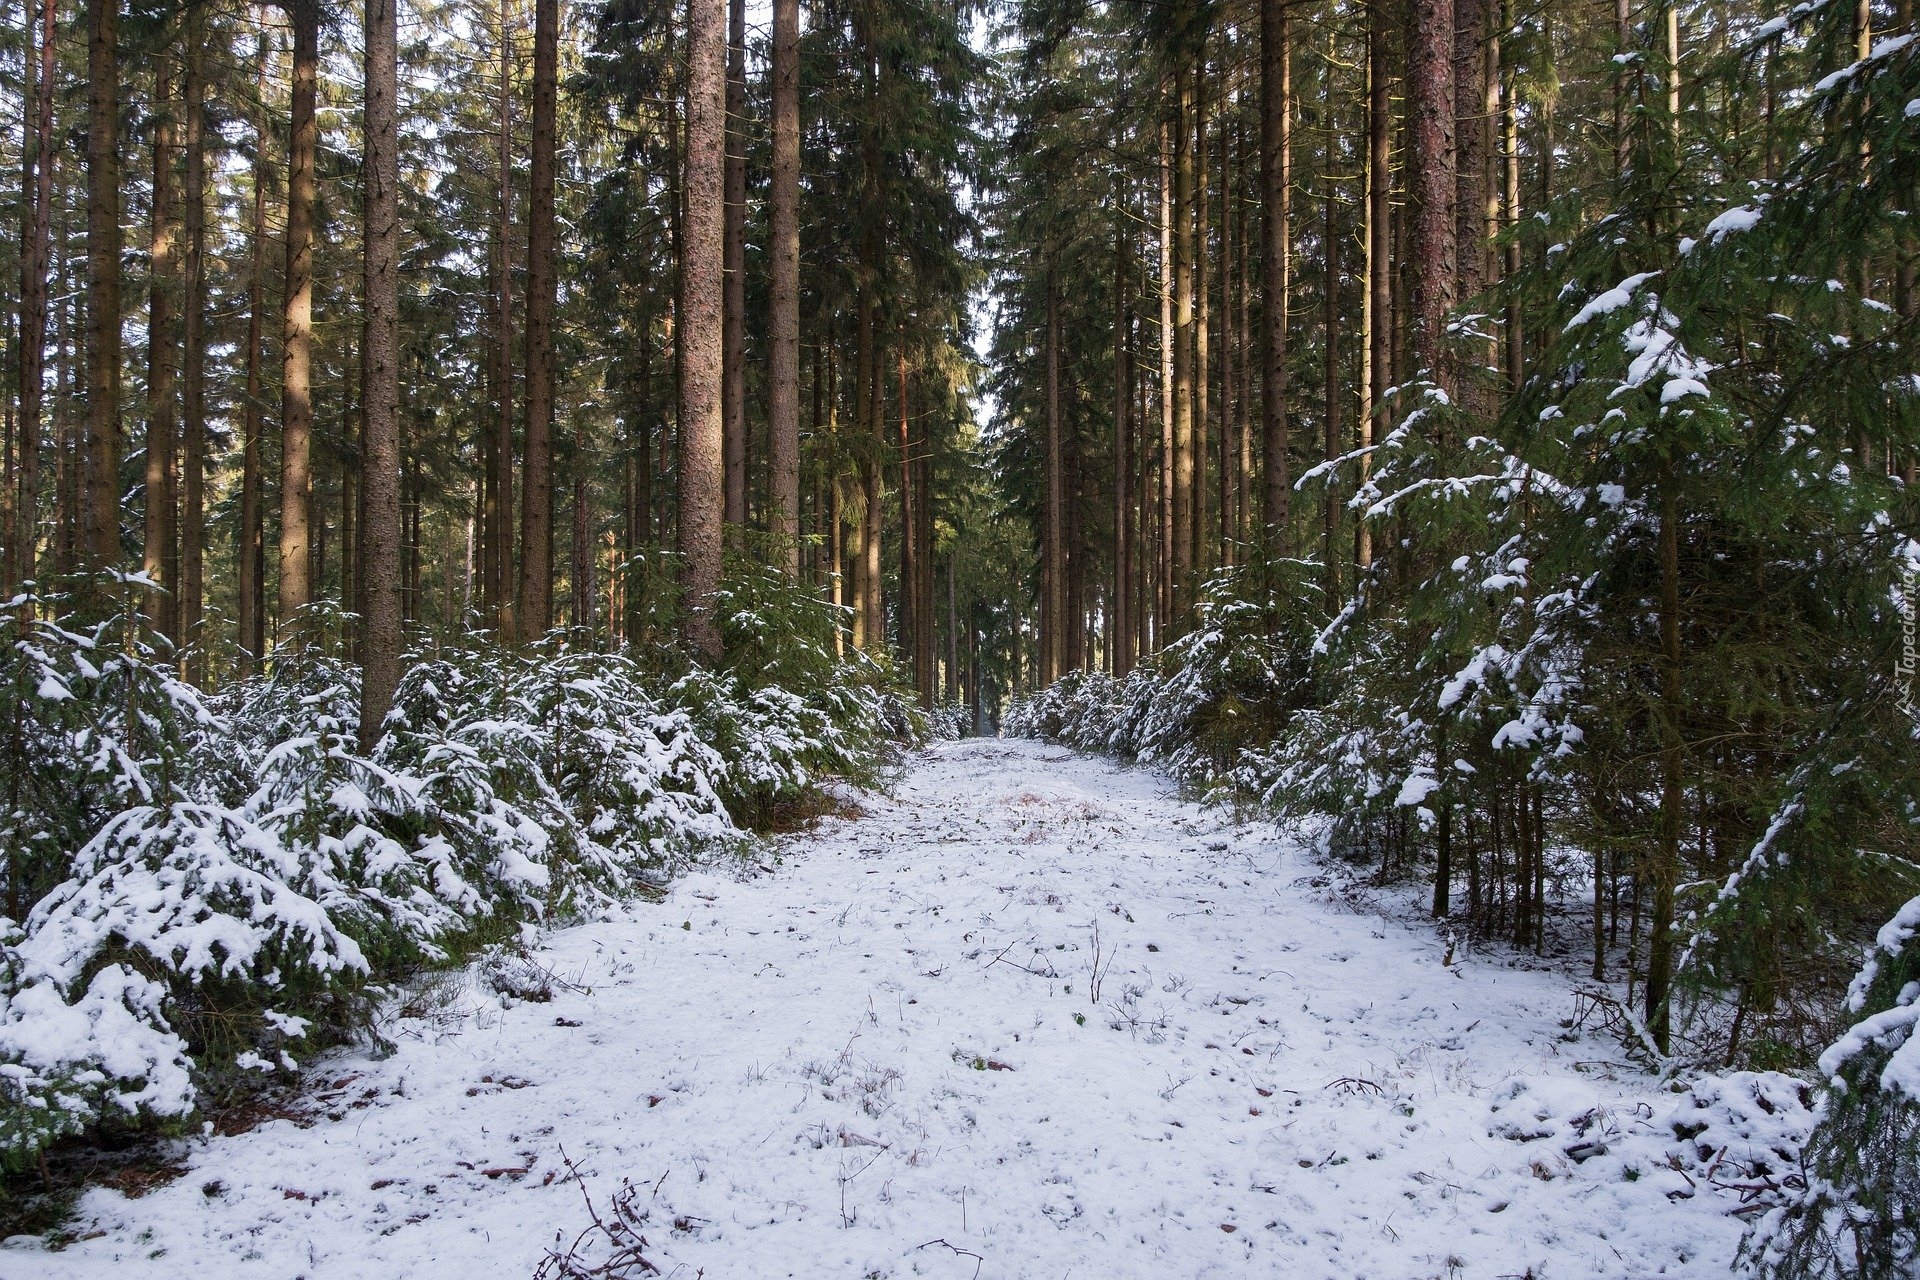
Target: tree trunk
<point>1229,339</point>
<point>99,546</point>
<point>193,419</point>
<point>1664,873</point>
<point>1202,320</point>
<point>37,184</point>
<point>1276,162</point>
<point>1053,605</point>
<point>1183,418</point>
<point>1164,548</point>
<point>1330,438</point>
<point>783,213</point>
<point>1377,305</point>
<point>250,553</point>
<point>702,476</point>
<point>381,533</point>
<point>534,604</point>
<point>912,621</point>
<point>582,610</point>
<point>1430,106</point>
<point>733,395</point>
<point>1510,205</point>
<point>160,555</point>
<point>296,413</point>
<point>500,578</point>
<point>1122,440</point>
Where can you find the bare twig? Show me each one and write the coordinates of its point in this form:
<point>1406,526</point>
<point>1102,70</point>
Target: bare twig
<point>958,1252</point>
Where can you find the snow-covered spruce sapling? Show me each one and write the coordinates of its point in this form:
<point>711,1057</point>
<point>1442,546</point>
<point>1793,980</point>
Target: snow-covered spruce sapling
<point>1858,1214</point>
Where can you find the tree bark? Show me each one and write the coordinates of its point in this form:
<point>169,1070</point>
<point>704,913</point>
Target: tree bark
<point>160,545</point>
<point>381,533</point>
<point>37,183</point>
<point>534,604</point>
<point>1229,338</point>
<point>99,544</point>
<point>1331,550</point>
<point>193,418</point>
<point>1123,640</point>
<point>1377,304</point>
<point>1276,162</point>
<point>1183,417</point>
<point>1202,319</point>
<point>250,554</point>
<point>1164,542</point>
<point>783,212</point>
<point>1052,575</point>
<point>500,577</point>
<point>1510,206</point>
<point>296,413</point>
<point>733,395</point>
<point>1430,106</point>
<point>701,446</point>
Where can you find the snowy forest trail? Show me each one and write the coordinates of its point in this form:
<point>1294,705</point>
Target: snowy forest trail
<point>1032,1016</point>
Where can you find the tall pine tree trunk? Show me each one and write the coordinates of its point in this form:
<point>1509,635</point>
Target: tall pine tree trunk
<point>1163,559</point>
<point>381,532</point>
<point>160,546</point>
<point>499,558</point>
<point>37,252</point>
<point>783,213</point>
<point>1183,415</point>
<point>702,473</point>
<point>296,413</point>
<point>250,553</point>
<point>1123,641</point>
<point>193,417</point>
<point>1053,621</point>
<point>733,395</point>
<point>534,602</point>
<point>1331,550</point>
<point>99,543</point>
<point>1276,161</point>
<point>1377,305</point>
<point>1430,107</point>
<point>1202,319</point>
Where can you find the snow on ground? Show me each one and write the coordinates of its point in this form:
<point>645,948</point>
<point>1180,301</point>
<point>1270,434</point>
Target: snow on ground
<point>1032,1017</point>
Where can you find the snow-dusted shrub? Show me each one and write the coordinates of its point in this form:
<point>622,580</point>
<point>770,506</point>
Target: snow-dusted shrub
<point>785,708</point>
<point>71,1057</point>
<point>1225,687</point>
<point>91,722</point>
<point>949,721</point>
<point>631,790</point>
<point>1858,1213</point>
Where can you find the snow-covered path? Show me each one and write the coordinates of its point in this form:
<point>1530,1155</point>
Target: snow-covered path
<point>1032,1017</point>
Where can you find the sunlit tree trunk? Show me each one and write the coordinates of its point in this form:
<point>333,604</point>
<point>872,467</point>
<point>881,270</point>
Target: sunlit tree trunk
<point>160,553</point>
<point>296,413</point>
<point>702,468</point>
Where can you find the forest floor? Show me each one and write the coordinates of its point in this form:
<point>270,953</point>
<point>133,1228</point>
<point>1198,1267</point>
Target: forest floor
<point>1032,1016</point>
